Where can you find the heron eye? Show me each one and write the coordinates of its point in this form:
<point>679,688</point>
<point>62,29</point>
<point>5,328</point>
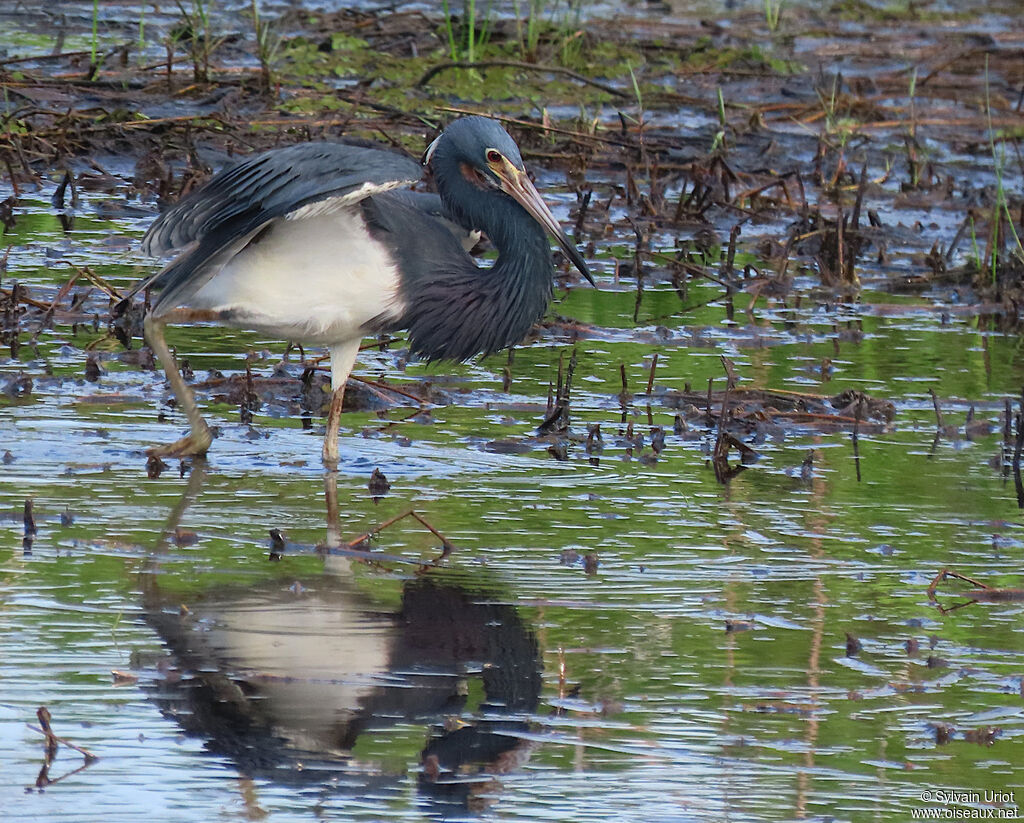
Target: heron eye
<point>493,156</point>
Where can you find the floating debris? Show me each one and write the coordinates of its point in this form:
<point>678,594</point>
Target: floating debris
<point>378,485</point>
<point>28,519</point>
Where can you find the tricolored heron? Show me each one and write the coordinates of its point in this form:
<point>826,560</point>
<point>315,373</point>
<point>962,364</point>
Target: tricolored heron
<point>308,243</point>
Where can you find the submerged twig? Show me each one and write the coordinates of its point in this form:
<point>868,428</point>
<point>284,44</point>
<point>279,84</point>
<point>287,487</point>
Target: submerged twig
<point>44,728</point>
<point>446,544</point>
<point>983,594</point>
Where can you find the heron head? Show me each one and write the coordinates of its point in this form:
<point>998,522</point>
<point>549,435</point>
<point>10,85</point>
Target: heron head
<point>480,144</point>
<point>485,156</point>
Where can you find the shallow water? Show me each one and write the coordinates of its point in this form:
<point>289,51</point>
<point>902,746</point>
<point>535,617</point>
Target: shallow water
<point>615,635</point>
<point>700,671</point>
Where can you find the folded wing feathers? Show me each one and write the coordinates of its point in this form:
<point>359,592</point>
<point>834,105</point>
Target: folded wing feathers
<point>216,221</point>
<point>327,205</point>
<point>188,272</point>
<point>275,184</point>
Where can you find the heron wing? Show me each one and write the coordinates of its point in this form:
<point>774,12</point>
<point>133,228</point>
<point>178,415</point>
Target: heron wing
<point>215,222</point>
<point>422,242</point>
<point>274,184</point>
<point>430,203</point>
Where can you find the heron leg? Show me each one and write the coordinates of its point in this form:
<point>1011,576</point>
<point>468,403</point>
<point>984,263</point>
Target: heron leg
<point>199,438</point>
<point>330,450</point>
<point>343,358</point>
<point>333,512</point>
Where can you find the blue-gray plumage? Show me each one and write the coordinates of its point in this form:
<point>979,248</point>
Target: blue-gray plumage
<point>311,243</point>
<point>430,203</point>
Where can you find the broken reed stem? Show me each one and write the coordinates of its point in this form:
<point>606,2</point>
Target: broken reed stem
<point>638,270</point>
<point>18,294</point>
<point>95,279</point>
<point>279,545</point>
<point>840,243</point>
<point>567,388</point>
<point>960,232</point>
<point>938,410</point>
<point>351,544</point>
<point>859,202</point>
<point>506,373</point>
<point>376,344</point>
<point>29,519</point>
<point>557,419</point>
<point>423,522</point>
<point>43,714</point>
<point>731,254</point>
<point>944,573</point>
<point>856,434</point>
<point>983,594</point>
<point>581,215</point>
<point>388,388</point>
<point>721,447</point>
<point>376,530</point>
<point>1018,483</point>
<point>650,379</point>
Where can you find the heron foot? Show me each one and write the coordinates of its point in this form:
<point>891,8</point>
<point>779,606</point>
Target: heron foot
<point>195,443</point>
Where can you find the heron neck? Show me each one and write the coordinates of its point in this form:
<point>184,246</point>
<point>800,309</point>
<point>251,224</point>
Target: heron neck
<point>463,309</point>
<point>519,284</point>
<point>524,254</point>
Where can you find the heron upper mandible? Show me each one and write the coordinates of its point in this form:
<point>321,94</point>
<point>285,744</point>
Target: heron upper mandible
<point>309,244</point>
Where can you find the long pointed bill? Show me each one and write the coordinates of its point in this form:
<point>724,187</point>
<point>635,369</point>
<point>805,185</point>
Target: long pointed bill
<point>517,185</point>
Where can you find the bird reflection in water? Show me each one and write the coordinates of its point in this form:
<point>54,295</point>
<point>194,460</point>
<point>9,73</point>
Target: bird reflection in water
<point>285,679</point>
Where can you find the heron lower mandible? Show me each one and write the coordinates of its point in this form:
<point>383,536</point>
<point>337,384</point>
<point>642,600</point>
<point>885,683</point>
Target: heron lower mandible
<point>308,243</point>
